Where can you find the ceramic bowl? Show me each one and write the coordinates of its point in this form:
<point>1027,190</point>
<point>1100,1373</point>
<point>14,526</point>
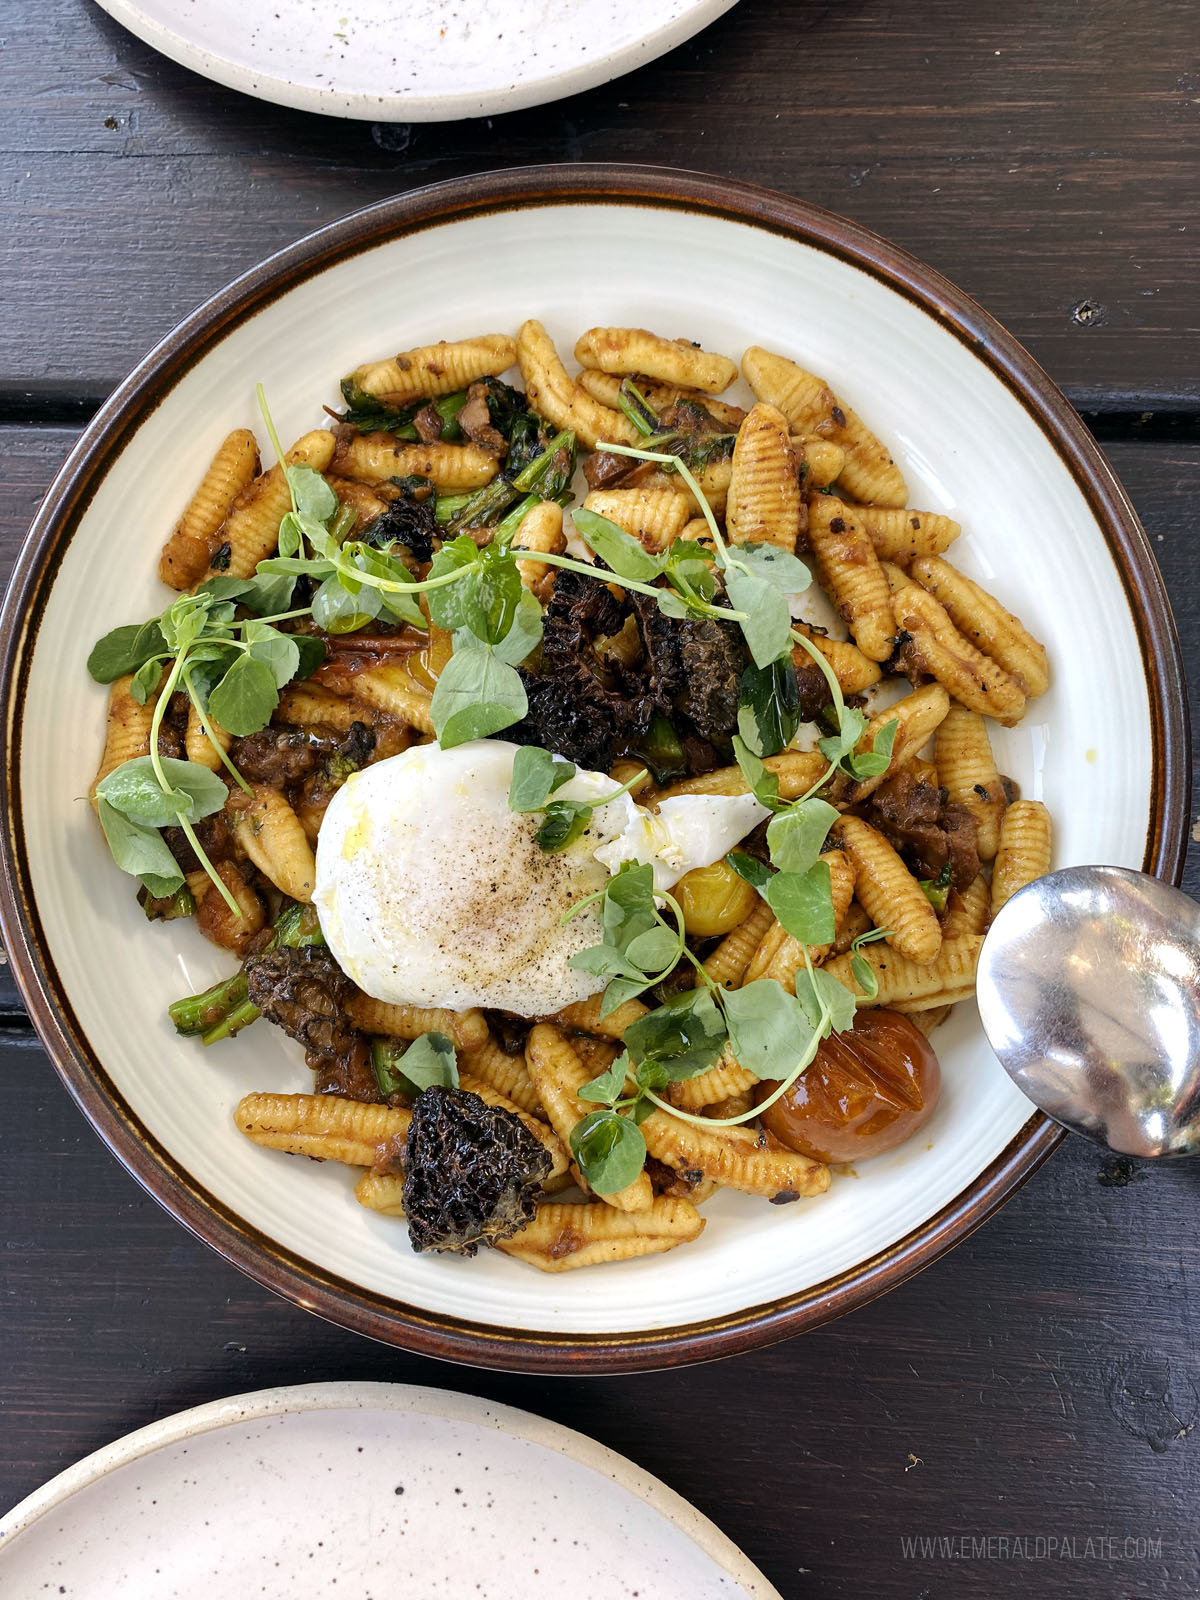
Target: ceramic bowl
<point>980,432</point>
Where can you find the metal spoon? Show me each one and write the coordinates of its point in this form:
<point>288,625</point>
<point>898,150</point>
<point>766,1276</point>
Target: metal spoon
<point>1089,992</point>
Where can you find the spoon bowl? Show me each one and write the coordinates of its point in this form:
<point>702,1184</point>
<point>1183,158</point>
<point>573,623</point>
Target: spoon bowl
<point>1089,993</point>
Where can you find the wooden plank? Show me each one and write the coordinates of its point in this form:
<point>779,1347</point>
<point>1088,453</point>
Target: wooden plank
<point>1037,1383</point>
<point>1041,155</point>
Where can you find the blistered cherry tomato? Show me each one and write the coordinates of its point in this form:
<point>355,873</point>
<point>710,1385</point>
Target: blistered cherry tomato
<point>714,900</point>
<point>868,1090</point>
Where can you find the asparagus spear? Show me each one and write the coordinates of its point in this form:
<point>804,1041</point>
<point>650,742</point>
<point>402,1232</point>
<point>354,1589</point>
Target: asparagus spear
<point>226,1008</point>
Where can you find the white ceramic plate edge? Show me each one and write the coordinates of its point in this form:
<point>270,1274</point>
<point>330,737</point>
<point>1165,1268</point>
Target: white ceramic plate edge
<point>421,1399</point>
<point>364,107</point>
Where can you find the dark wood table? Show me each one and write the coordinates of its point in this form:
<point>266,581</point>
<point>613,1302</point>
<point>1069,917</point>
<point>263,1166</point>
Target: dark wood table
<point>1040,1387</point>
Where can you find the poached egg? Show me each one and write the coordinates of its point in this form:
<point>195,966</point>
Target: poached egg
<point>431,892</point>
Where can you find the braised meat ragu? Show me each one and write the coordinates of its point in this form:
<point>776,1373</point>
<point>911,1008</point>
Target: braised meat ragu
<point>472,1172</point>
<point>592,706</point>
<point>927,829</point>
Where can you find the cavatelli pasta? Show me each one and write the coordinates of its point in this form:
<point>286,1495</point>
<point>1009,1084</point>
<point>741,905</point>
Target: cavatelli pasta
<point>673,361</point>
<point>849,569</point>
<point>936,647</point>
<point>906,985</point>
<point>764,505</point>
<point>185,556</point>
<point>250,532</point>
<point>889,893</point>
<point>435,369</point>
<point>1024,853</point>
<point>656,517</point>
<point>558,397</point>
<point>507,1074</point>
<point>812,408</point>
<point>903,535</point>
<point>270,833</point>
<point>853,670</point>
<point>393,689</point>
<point>562,1237</point>
<point>736,1157</point>
<point>981,618</point>
<point>326,1127</point>
<point>376,458</point>
<point>127,729</point>
<point>726,965</point>
<point>967,769</point>
<point>541,530</point>
<point>468,1029</point>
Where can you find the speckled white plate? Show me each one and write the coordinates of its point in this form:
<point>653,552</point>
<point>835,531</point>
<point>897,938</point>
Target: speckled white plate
<point>366,1491</point>
<point>418,61</point>
<point>981,434</point>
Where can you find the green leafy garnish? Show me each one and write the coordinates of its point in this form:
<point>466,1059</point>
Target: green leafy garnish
<point>769,707</point>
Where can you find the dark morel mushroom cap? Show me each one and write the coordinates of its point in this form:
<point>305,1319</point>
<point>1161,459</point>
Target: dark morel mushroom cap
<point>471,1172</point>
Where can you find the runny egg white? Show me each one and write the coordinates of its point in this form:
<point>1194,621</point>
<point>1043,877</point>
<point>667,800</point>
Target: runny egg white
<point>431,892</point>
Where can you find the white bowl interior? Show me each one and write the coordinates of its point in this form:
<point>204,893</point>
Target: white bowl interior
<point>967,447</point>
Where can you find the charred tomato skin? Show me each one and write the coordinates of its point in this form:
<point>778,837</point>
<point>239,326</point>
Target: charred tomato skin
<point>867,1091</point>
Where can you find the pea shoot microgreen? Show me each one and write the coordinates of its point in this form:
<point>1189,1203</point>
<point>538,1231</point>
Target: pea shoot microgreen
<point>537,775</point>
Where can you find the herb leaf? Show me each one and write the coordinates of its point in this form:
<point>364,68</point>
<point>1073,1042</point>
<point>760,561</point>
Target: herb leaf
<point>536,775</point>
<point>313,496</point>
<point>565,821</point>
<point>768,625</point>
<point>139,849</point>
<point>430,1060</point>
<point>763,782</point>
<point>775,566</point>
<point>768,1028</point>
<point>609,1151</point>
<point>796,836</point>
<point>133,789</point>
<point>756,873</point>
<point>769,706</point>
<point>819,989</point>
<point>125,650</point>
<point>685,1036</point>
<point>803,903</point>
<point>607,1087</point>
<point>245,697</point>
<point>619,550</point>
<point>476,694</point>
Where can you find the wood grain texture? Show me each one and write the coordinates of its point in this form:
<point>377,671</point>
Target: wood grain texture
<point>1042,155</point>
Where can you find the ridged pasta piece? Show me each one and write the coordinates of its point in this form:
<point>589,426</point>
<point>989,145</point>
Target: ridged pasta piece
<point>906,985</point>
<point>970,911</point>
<point>849,570</point>
<point>584,1015</point>
<point>656,517</point>
<point>853,670</point>
<point>306,705</point>
<point>222,926</point>
<point>714,483</point>
<point>1024,853</point>
<point>542,530</point>
<point>606,386</point>
<point>967,770</point>
<point>199,747</point>
<point>360,498</point>
<point>468,1029</point>
<point>902,535</point>
<point>737,1157</point>
<point>698,530</point>
<point>558,1074</point>
<point>917,716</point>
<point>434,369</point>
<point>126,730</point>
<point>788,958</point>
<point>855,922</point>
<point>726,965</point>
<point>508,1075</point>
<point>797,771</point>
<point>562,1237</point>
<point>767,950</point>
<point>185,556</point>
<point>812,408</point>
<point>382,1192</point>
<point>559,398</point>
<point>326,1127</point>
<point>270,833</point>
<point>393,689</point>
<point>981,618</point>
<point>674,361</point>
<point>251,530</point>
<point>541,1130</point>
<point>936,647</point>
<point>889,893</point>
<point>596,1054</point>
<point>377,457</point>
<point>764,504</point>
<point>823,459</point>
<point>725,1081</point>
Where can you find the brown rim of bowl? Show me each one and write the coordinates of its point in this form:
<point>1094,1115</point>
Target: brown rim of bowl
<point>289,1275</point>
